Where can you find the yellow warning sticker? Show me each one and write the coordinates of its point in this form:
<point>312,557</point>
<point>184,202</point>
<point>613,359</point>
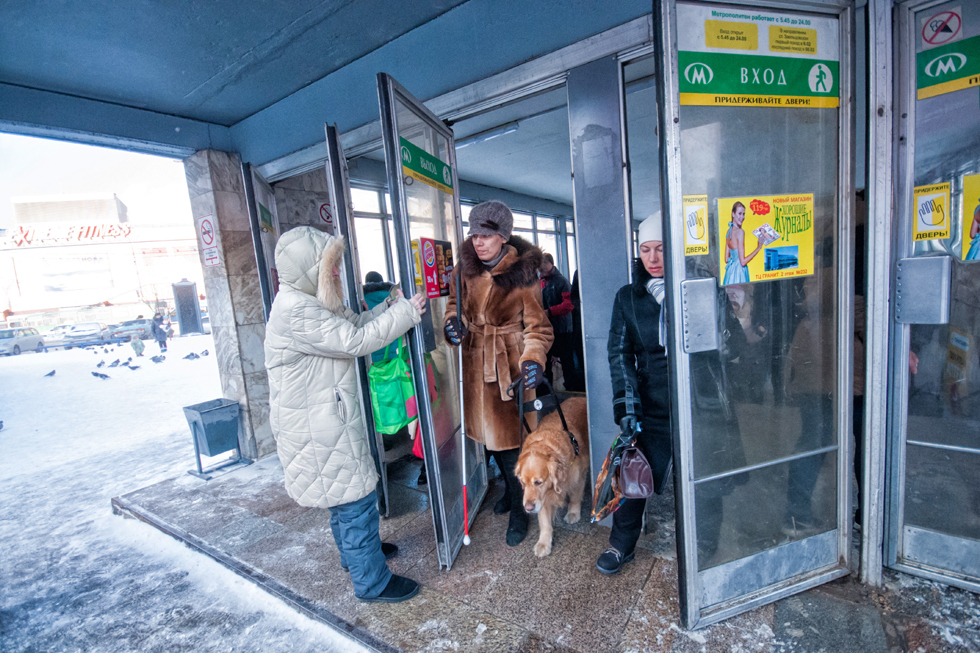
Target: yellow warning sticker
<point>931,220</point>
<point>739,99</point>
<point>731,35</point>
<point>695,225</point>
<point>795,40</point>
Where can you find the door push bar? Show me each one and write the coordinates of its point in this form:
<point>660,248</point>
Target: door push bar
<point>699,303</point>
<point>922,290</point>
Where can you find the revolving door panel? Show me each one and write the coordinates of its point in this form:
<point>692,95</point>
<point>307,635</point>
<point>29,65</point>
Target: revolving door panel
<point>756,141</point>
<point>421,162</point>
<point>933,527</point>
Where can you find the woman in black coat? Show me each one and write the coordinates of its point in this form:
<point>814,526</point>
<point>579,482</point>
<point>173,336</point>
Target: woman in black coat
<point>158,332</point>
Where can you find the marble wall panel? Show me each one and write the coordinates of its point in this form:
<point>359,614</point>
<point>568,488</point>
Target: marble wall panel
<point>220,307</point>
<point>197,175</point>
<point>251,343</point>
<point>239,253</point>
<point>226,171</point>
<point>246,298</point>
<point>228,356</point>
<point>232,211</point>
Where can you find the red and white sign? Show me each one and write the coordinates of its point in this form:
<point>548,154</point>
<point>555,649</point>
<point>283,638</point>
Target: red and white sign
<point>206,236</point>
<point>210,257</point>
<point>326,215</point>
<point>942,28</point>
<point>27,235</point>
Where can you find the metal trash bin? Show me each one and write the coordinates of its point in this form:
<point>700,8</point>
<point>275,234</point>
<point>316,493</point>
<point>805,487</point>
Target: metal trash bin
<point>214,429</point>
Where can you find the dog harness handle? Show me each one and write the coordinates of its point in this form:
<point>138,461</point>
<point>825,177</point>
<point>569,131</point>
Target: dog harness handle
<point>518,386</point>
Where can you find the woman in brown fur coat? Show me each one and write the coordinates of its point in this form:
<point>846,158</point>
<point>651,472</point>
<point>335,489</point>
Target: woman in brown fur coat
<point>505,334</point>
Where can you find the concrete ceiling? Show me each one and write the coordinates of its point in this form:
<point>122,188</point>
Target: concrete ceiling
<point>218,61</point>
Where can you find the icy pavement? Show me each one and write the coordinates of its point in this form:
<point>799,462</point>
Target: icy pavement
<point>76,578</point>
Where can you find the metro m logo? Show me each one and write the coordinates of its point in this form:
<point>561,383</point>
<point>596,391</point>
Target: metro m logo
<point>699,73</point>
<point>946,63</point>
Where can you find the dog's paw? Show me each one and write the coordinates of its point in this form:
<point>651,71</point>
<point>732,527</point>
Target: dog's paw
<point>541,549</point>
<point>572,516</point>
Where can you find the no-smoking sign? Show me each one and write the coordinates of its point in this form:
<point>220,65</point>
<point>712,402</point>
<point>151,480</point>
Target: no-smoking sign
<point>209,252</point>
<point>942,28</point>
<point>207,231</point>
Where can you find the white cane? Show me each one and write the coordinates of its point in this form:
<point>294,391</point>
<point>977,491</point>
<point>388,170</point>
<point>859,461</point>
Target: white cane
<point>462,413</point>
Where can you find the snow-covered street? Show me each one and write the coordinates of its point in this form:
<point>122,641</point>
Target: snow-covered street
<point>74,577</point>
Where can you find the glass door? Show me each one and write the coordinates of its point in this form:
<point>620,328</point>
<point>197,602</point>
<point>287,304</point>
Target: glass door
<point>933,516</point>
<point>421,161</point>
<point>757,152</point>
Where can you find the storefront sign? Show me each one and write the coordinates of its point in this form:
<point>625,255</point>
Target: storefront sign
<point>422,166</point>
<point>47,235</point>
<point>931,212</point>
<point>695,225</point>
<point>971,218</point>
<point>948,68</point>
<point>748,58</point>
<point>437,265</point>
<point>765,237</point>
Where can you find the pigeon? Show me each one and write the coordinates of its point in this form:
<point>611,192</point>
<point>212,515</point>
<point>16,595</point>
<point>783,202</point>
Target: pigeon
<point>51,373</point>
<point>114,363</point>
<point>204,353</point>
<point>191,357</point>
<point>101,363</point>
<point>158,359</point>
<point>100,376</point>
<point>134,367</point>
<point>106,350</point>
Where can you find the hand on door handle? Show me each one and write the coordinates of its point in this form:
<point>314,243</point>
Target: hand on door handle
<point>418,301</point>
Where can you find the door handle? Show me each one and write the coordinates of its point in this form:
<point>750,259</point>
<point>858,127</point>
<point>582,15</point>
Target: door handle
<point>922,290</point>
<point>699,302</point>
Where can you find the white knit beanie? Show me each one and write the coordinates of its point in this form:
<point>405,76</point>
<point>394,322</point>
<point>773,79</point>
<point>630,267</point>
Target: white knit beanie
<point>651,229</point>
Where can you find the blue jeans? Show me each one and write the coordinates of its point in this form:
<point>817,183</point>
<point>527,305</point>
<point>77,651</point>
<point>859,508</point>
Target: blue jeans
<point>355,530</point>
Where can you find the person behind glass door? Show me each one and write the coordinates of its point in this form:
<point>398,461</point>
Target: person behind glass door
<point>506,337</point>
<point>737,263</point>
<point>556,293</point>
<point>638,366</point>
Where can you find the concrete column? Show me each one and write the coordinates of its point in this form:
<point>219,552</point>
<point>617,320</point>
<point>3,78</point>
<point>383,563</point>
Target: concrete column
<point>299,201</point>
<point>231,282</point>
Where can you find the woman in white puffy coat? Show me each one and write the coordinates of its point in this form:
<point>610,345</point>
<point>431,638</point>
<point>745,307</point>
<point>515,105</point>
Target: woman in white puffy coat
<point>311,345</point>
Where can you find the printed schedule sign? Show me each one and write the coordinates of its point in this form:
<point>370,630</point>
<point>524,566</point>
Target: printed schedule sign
<point>971,218</point>
<point>742,57</point>
<point>695,225</point>
<point>931,205</point>
<point>765,237</point>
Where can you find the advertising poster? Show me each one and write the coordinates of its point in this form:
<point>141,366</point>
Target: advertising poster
<point>437,266</point>
<point>418,265</point>
<point>971,218</point>
<point>765,237</point>
<point>695,225</point>
<point>744,57</point>
<point>931,205</point>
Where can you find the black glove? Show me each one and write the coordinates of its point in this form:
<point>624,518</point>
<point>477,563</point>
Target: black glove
<point>628,424</point>
<point>532,374</point>
<point>454,331</point>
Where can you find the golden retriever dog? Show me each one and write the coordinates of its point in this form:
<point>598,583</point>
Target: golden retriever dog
<point>551,473</point>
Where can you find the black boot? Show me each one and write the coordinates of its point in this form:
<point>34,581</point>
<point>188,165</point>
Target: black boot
<point>517,525</point>
<point>503,504</point>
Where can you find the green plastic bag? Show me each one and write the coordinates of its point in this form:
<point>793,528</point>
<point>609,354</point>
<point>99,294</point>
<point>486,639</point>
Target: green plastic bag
<point>392,393</point>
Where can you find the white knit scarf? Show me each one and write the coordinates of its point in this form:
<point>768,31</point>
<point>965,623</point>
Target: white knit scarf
<point>655,286</point>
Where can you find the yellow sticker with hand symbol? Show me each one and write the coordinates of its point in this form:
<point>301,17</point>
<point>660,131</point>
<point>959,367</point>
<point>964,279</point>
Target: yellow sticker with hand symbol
<point>695,225</point>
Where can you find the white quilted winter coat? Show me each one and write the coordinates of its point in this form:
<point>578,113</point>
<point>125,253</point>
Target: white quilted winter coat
<point>311,345</point>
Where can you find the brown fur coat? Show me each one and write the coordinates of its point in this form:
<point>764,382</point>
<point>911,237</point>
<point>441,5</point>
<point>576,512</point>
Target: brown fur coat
<point>507,325</point>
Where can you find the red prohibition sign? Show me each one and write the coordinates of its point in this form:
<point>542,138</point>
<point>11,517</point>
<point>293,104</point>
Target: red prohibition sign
<point>207,232</point>
<point>944,27</point>
<point>325,213</point>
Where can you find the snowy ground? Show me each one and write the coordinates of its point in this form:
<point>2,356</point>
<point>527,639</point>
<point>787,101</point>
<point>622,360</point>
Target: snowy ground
<point>76,578</point>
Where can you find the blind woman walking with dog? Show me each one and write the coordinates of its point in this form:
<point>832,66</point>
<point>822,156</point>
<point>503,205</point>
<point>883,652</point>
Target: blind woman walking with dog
<point>505,334</point>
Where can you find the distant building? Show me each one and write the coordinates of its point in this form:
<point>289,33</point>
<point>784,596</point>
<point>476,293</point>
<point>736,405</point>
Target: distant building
<point>77,257</point>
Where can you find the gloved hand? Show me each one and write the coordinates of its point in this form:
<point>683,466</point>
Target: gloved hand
<point>532,374</point>
<point>628,424</point>
<point>454,331</point>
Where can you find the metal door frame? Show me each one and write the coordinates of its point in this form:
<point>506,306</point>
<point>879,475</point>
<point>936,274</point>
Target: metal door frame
<point>900,334</point>
<point>689,581</point>
<point>338,182</point>
<point>447,544</point>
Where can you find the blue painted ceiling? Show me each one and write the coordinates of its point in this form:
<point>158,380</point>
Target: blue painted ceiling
<point>218,61</point>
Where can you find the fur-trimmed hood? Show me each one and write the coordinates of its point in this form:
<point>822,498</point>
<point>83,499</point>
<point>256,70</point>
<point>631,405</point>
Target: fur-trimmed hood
<point>305,258</point>
<point>517,269</point>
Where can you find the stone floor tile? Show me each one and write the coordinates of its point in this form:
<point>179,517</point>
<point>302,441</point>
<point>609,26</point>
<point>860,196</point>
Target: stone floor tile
<point>242,532</point>
<point>415,542</point>
<point>813,621</point>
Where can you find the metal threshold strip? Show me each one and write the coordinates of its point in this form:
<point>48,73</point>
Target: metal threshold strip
<point>768,463</point>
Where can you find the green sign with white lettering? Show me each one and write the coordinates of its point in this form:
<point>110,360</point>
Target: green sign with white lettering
<point>419,164</point>
<point>724,79</point>
<point>948,68</point>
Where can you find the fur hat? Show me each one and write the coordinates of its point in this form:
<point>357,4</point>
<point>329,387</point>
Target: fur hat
<point>489,218</point>
<point>651,229</point>
<point>373,277</point>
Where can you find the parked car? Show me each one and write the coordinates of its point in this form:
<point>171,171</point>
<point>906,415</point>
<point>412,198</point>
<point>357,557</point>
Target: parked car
<point>14,341</point>
<point>87,332</point>
<point>133,329</point>
<point>56,334</point>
